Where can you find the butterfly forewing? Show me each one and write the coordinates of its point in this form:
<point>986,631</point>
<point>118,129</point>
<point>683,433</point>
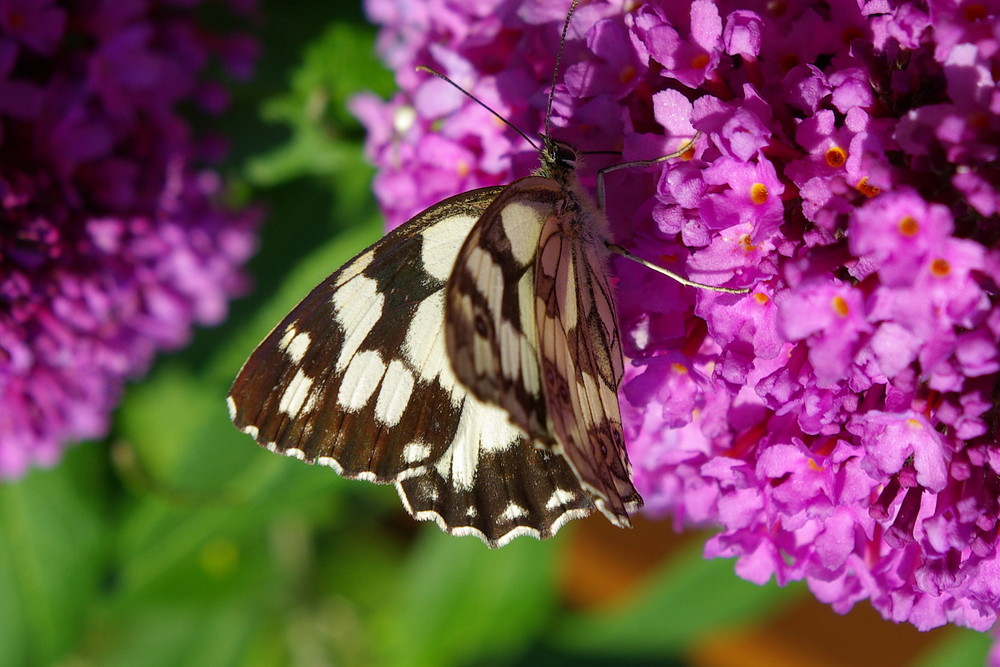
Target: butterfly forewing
<point>491,333</point>
<point>580,358</point>
<point>531,326</point>
<point>356,377</point>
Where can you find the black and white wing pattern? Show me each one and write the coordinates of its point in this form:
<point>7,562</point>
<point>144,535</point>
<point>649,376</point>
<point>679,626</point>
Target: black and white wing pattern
<point>490,306</point>
<point>531,326</point>
<point>580,352</point>
<point>357,377</point>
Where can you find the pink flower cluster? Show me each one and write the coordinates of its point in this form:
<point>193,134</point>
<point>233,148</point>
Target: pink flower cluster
<point>113,242</point>
<point>839,423</point>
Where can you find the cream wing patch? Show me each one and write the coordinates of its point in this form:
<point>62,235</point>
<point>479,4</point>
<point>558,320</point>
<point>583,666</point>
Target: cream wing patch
<point>395,394</point>
<point>297,395</point>
<point>295,344</point>
<point>357,308</point>
<point>440,244</point>
<point>361,378</point>
<point>481,429</point>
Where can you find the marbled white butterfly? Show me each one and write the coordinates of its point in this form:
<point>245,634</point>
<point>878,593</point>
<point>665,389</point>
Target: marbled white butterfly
<point>471,357</point>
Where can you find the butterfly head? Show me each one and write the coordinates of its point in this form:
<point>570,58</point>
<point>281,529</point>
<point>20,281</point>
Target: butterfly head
<point>558,157</point>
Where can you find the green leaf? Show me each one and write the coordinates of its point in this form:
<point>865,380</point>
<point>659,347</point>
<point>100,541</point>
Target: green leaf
<point>298,280</point>
<point>208,634</point>
<point>198,479</point>
<point>691,597</point>
<point>52,547</point>
<point>202,480</point>
<point>960,647</point>
<point>324,134</point>
<point>462,601</point>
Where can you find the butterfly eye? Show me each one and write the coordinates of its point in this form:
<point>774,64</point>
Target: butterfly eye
<point>566,155</point>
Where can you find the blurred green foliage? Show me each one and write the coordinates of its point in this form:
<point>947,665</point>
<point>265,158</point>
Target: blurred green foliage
<point>177,541</point>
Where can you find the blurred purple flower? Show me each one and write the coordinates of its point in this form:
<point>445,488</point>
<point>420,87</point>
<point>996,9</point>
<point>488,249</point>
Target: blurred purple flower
<point>114,242</point>
<point>840,423</point>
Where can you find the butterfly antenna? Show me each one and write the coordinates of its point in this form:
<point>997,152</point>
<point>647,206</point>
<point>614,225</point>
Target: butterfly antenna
<point>424,68</point>
<point>555,71</point>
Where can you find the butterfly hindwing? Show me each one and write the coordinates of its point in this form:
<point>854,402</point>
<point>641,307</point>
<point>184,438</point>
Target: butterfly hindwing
<point>518,491</point>
<point>356,377</point>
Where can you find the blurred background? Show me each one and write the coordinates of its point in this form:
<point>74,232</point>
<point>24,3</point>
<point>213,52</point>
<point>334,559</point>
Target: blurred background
<point>177,541</point>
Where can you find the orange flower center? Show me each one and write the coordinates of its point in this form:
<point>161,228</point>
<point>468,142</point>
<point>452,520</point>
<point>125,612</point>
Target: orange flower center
<point>908,226</point>
<point>940,267</point>
<point>835,156</point>
<point>866,188</point>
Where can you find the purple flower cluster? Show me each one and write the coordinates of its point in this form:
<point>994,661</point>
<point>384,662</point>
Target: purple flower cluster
<point>839,423</point>
<point>113,242</point>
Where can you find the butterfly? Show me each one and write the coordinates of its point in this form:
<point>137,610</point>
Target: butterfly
<point>471,357</point>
